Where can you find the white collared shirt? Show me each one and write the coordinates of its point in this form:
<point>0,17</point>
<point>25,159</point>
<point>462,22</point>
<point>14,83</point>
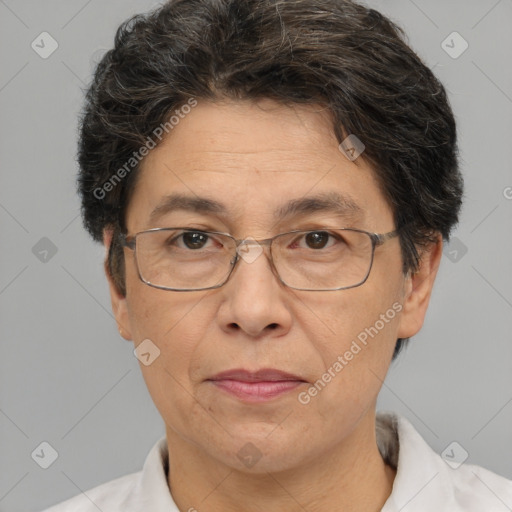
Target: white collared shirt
<point>424,481</point>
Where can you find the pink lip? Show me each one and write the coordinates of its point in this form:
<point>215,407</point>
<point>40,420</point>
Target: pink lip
<point>257,386</point>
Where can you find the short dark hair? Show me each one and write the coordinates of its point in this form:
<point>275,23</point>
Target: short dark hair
<point>335,53</point>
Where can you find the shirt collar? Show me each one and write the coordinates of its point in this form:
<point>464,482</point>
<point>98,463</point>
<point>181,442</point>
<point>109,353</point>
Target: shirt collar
<point>423,479</point>
<point>152,491</point>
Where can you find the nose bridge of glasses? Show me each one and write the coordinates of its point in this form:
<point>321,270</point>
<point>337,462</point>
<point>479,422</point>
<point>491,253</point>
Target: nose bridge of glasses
<point>249,249</point>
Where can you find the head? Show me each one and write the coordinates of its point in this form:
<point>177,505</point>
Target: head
<point>245,103</point>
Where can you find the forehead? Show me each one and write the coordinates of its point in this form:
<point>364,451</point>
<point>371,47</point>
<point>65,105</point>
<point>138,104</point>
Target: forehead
<point>257,161</point>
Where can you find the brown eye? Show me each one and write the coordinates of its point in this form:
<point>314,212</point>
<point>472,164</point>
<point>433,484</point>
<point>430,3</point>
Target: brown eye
<point>194,240</point>
<point>317,239</point>
<point>189,240</point>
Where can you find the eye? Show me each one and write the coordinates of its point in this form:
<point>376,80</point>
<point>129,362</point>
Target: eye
<point>194,240</point>
<point>190,240</point>
<point>318,239</point>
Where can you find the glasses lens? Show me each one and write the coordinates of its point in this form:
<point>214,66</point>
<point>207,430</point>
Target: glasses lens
<point>323,259</point>
<point>183,259</point>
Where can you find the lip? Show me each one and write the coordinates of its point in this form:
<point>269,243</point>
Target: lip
<point>263,375</point>
<point>259,386</point>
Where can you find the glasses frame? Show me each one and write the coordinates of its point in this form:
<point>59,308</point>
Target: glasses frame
<point>377,239</point>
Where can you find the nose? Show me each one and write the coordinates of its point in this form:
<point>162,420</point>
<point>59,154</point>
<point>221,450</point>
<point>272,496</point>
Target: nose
<point>255,298</point>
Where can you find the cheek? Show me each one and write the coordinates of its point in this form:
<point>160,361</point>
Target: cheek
<point>174,325</point>
<point>162,315</point>
<point>356,333</point>
<point>155,315</point>
<point>339,319</point>
<point>355,361</point>
<point>174,322</point>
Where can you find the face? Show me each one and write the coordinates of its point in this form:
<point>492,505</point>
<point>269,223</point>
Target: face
<point>253,158</point>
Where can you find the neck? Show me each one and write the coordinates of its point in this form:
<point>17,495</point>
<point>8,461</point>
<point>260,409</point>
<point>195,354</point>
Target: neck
<point>350,477</point>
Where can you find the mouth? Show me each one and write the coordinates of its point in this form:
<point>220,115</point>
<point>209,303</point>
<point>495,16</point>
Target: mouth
<point>258,386</point>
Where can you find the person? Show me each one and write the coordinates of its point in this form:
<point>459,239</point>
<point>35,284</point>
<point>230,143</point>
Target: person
<point>273,181</point>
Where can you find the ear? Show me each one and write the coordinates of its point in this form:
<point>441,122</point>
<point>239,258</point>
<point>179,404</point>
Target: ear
<point>418,288</point>
<point>118,300</point>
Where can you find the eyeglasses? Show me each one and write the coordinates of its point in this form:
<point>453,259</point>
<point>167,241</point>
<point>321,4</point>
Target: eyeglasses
<point>186,259</point>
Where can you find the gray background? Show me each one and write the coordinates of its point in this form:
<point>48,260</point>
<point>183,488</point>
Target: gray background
<point>67,378</point>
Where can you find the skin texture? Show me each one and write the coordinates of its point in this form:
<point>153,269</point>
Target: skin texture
<point>253,157</point>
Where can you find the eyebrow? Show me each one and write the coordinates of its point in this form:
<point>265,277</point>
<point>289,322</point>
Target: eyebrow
<point>196,204</point>
<point>327,202</point>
